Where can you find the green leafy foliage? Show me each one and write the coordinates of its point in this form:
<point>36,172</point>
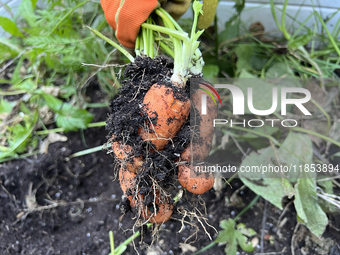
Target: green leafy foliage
<point>250,58</point>
<point>18,136</point>
<point>26,9</point>
<point>296,151</point>
<point>26,85</point>
<point>53,41</point>
<point>306,204</point>
<point>71,118</point>
<point>233,237</point>
<point>231,31</point>
<point>278,69</point>
<point>68,116</point>
<point>5,106</point>
<point>47,48</point>
<point>301,40</point>
<point>10,27</point>
<point>8,49</point>
<point>54,103</point>
<point>210,71</point>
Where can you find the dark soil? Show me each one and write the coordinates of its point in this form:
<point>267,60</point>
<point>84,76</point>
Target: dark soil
<point>61,231</point>
<point>79,201</point>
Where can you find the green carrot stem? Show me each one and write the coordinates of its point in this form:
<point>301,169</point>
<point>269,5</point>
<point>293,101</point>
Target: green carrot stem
<point>131,238</point>
<point>137,45</point>
<point>88,151</point>
<point>177,34</point>
<point>112,244</point>
<point>116,45</point>
<point>165,15</point>
<point>55,130</point>
<point>145,41</point>
<point>150,39</point>
<point>167,49</point>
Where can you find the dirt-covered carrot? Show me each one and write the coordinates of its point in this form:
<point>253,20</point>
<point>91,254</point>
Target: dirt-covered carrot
<point>163,211</point>
<point>168,109</point>
<point>163,207</point>
<point>165,106</point>
<point>125,156</point>
<point>126,179</point>
<point>201,144</point>
<point>160,102</point>
<point>193,181</point>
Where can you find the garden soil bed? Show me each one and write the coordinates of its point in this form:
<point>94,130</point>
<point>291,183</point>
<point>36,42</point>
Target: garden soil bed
<point>79,201</point>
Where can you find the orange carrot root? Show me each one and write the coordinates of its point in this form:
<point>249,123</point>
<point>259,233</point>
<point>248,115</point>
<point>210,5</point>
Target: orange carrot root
<point>160,102</point>
<point>195,182</point>
<point>202,146</point>
<point>126,179</point>
<point>124,153</point>
<point>165,209</point>
<point>163,213</point>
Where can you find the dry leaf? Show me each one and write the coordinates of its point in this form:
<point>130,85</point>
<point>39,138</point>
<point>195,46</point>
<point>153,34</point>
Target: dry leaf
<point>51,138</point>
<point>187,247</point>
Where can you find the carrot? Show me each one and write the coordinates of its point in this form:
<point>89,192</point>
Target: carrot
<point>201,146</point>
<point>125,156</point>
<point>169,110</point>
<point>163,211</point>
<point>166,110</point>
<point>195,182</point>
<point>162,215</point>
<point>127,181</point>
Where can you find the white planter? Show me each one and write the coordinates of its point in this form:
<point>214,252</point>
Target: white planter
<point>12,4</point>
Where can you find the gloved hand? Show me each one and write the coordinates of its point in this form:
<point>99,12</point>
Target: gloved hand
<point>126,16</point>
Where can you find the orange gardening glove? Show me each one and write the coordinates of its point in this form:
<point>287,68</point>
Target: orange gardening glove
<point>126,16</point>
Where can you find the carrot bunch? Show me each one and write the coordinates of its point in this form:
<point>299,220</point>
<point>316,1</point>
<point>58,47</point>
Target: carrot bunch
<point>149,122</point>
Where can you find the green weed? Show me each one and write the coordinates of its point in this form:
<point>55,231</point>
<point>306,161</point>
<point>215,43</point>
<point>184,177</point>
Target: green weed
<point>50,59</point>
